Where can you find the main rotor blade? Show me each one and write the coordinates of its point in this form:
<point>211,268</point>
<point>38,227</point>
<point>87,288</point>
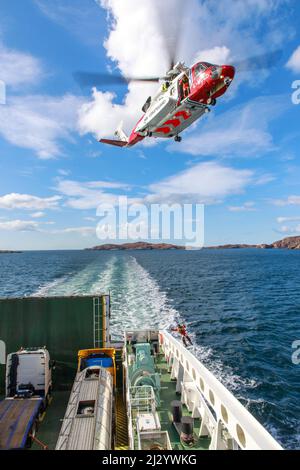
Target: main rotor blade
<point>171,32</point>
<point>170,24</point>
<point>90,79</point>
<point>259,62</point>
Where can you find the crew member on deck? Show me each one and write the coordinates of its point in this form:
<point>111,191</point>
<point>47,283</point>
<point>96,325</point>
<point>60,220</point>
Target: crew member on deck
<point>181,329</point>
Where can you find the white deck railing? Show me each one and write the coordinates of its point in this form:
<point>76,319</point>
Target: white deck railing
<point>241,425</point>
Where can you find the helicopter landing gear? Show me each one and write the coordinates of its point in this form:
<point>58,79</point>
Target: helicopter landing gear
<point>212,101</point>
<point>178,138</point>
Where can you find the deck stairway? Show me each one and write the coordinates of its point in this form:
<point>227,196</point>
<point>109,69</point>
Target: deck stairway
<point>121,442</point>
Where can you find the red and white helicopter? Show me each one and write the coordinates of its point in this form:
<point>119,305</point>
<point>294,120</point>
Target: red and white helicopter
<point>185,94</point>
<point>182,98</point>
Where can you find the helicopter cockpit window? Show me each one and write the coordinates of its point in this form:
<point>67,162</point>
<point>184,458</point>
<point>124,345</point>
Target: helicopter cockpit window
<point>201,67</point>
<point>207,64</point>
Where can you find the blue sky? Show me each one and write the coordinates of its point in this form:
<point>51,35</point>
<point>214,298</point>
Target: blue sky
<point>242,161</point>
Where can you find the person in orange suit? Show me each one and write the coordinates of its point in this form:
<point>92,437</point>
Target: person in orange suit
<point>184,89</point>
<point>181,329</point>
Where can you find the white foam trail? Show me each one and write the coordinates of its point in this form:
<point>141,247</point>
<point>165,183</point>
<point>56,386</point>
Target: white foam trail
<point>47,289</point>
<point>137,303</point>
<point>80,283</point>
<point>104,279</point>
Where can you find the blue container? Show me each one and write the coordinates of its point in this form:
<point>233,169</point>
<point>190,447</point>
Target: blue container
<point>99,361</point>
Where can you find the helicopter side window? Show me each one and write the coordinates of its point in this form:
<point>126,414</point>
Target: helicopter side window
<point>200,68</point>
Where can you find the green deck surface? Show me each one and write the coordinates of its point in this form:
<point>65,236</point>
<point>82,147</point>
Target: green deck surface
<point>50,426</point>
<point>167,395</point>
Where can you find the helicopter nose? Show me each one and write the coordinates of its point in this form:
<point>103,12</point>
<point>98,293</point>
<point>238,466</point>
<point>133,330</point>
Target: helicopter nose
<point>228,71</point>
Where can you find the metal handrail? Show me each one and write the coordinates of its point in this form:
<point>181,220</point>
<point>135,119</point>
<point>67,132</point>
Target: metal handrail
<point>242,426</point>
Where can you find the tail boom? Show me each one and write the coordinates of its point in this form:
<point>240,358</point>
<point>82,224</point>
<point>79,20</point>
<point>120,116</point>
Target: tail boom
<point>116,143</point>
<point>123,140</point>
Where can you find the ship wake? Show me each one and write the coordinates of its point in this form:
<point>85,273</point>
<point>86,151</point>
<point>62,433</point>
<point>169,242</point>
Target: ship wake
<point>138,302</point>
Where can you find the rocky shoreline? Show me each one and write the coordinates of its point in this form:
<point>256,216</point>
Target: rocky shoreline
<point>290,243</point>
<point>137,246</point>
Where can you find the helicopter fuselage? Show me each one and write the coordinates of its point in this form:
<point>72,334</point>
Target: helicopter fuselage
<point>170,111</point>
<point>180,101</point>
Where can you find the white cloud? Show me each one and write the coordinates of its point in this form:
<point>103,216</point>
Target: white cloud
<point>39,123</point>
<point>90,194</point>
<point>19,69</point>
<point>289,201</point>
<point>247,207</point>
<point>37,215</point>
<point>20,225</point>
<point>107,185</point>
<point>63,172</point>
<point>95,154</point>
<point>264,179</point>
<point>291,228</point>
<point>236,132</point>
<point>294,61</point>
<point>83,231</point>
<point>288,229</point>
<point>33,226</point>
<point>204,182</point>
<point>215,55</point>
<point>28,202</point>
<point>136,44</point>
<point>281,220</point>
<point>207,182</point>
<point>101,115</point>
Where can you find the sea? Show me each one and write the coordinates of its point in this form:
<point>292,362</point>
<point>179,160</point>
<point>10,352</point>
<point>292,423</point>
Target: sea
<point>241,308</point>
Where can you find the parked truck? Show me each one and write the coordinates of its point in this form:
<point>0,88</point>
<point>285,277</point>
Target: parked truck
<point>27,393</point>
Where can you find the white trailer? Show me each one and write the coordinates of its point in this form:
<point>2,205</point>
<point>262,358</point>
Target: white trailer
<point>28,388</point>
<point>87,424</point>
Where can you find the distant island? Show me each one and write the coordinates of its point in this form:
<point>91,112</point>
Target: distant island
<point>137,246</point>
<point>290,243</point>
<point>9,251</point>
